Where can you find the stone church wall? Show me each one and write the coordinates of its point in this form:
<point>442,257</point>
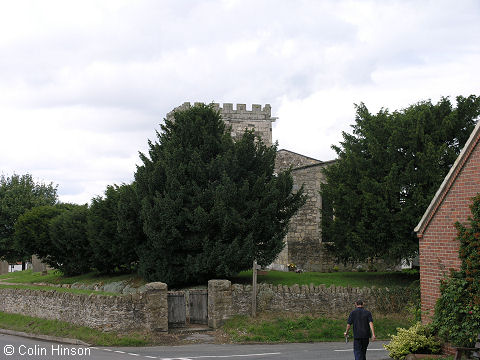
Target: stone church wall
<point>286,159</point>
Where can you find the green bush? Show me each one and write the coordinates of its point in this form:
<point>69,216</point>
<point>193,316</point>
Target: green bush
<point>457,318</point>
<point>68,231</point>
<point>416,339</point>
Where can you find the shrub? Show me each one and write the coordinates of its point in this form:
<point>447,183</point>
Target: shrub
<point>68,231</point>
<point>416,339</point>
<point>457,318</point>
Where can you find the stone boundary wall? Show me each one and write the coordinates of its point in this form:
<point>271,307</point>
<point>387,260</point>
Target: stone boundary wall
<point>146,311</point>
<point>317,299</point>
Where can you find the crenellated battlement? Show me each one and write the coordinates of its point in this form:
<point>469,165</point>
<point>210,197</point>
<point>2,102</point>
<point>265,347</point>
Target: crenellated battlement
<point>258,119</point>
<point>228,108</point>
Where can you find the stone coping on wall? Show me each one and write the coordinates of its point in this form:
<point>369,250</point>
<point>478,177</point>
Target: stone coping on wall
<point>143,311</point>
<point>316,299</point>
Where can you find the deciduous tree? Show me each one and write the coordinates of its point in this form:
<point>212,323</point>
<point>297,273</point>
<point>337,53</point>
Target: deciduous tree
<point>18,194</point>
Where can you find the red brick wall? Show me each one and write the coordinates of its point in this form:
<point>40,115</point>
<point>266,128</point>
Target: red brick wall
<point>438,246</point>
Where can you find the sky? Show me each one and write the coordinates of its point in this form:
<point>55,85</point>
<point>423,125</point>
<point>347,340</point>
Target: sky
<point>85,84</point>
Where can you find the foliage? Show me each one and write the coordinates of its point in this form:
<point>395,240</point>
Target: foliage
<point>457,318</point>
<point>18,194</point>
<point>210,206</point>
<point>457,312</point>
<point>71,252</point>
<point>386,174</point>
<point>395,299</point>
<point>416,339</point>
<point>469,253</point>
<point>32,230</point>
<point>114,229</point>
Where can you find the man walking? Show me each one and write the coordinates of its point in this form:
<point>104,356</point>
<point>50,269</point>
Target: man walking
<point>362,322</point>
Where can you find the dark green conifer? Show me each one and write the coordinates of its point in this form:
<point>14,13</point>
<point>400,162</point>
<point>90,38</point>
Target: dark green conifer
<point>210,206</point>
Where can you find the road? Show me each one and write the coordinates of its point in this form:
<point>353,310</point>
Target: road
<point>16,348</point>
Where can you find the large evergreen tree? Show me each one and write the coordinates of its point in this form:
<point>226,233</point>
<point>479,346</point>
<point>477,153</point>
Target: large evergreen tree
<point>210,205</point>
<point>114,229</point>
<point>386,175</point>
<point>18,194</point>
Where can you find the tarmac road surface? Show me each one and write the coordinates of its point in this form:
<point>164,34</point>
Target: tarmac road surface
<point>19,348</point>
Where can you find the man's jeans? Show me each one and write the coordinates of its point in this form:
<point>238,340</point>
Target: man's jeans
<point>360,348</point>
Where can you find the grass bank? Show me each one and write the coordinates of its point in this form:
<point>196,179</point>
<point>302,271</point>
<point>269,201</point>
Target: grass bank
<point>352,279</point>
<point>268,328</point>
<point>57,328</point>
<point>57,278</point>
<point>58,289</point>
<point>56,281</point>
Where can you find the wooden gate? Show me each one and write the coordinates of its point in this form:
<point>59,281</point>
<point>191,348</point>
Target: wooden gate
<point>177,315</point>
<point>196,312</point>
<point>198,306</point>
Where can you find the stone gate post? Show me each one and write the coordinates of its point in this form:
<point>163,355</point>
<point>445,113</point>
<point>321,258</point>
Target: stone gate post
<point>3,267</point>
<point>156,306</point>
<point>219,302</point>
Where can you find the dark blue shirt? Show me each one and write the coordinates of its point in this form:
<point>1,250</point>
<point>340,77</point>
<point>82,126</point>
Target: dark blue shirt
<point>360,319</point>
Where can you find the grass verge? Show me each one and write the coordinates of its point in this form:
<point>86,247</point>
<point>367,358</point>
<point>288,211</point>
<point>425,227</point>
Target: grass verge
<point>282,328</point>
<point>58,289</point>
<point>352,279</point>
<point>33,325</point>
<point>56,277</point>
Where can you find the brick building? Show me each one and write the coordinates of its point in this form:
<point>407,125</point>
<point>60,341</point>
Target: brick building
<point>436,231</point>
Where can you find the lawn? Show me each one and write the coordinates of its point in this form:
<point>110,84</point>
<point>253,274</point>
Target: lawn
<point>300,328</point>
<point>352,279</point>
